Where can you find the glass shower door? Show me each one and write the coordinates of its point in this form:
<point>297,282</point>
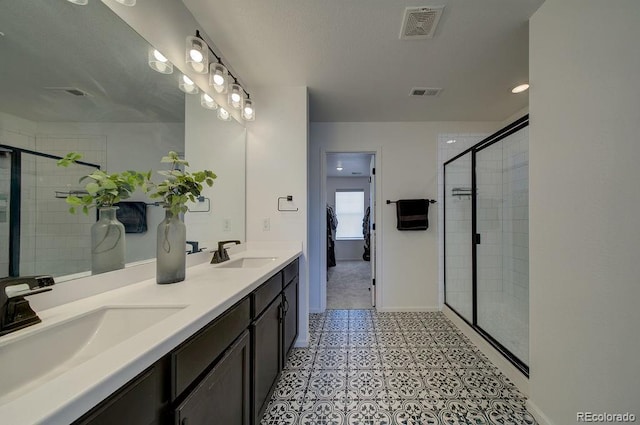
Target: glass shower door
<point>458,248</point>
<point>502,239</point>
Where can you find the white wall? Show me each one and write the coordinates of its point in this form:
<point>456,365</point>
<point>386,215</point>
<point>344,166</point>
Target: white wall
<point>277,145</point>
<point>219,146</point>
<point>407,269</point>
<point>348,250</point>
<point>584,203</point>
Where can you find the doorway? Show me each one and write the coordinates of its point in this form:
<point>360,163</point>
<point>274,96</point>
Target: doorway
<point>350,243</point>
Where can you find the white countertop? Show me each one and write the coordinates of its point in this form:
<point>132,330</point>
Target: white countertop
<point>207,291</point>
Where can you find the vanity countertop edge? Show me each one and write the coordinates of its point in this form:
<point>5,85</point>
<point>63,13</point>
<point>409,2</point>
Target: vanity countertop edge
<point>207,292</point>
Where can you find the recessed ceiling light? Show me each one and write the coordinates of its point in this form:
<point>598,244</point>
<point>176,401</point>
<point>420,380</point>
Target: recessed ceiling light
<point>450,141</point>
<point>339,168</point>
<point>520,88</point>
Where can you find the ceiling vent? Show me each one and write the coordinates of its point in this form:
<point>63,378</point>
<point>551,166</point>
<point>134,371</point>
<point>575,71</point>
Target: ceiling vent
<point>420,23</point>
<point>425,91</point>
<point>74,91</point>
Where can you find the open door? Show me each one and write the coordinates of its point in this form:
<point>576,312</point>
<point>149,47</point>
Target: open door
<point>372,226</point>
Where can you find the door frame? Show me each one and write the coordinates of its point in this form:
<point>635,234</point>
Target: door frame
<point>377,153</point>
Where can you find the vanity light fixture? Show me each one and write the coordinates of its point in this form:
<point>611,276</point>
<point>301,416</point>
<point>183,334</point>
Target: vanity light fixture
<point>197,55</point>
<point>248,111</point>
<point>235,96</point>
<point>223,114</point>
<point>207,101</point>
<point>187,85</point>
<point>520,88</point>
<point>218,75</point>
<point>80,2</point>
<point>127,2</point>
<point>158,62</point>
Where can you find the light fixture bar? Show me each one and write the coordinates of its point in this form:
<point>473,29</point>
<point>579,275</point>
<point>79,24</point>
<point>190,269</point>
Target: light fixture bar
<point>219,59</point>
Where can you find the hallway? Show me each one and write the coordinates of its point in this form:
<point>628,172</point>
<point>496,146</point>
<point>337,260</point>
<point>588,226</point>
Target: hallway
<point>348,285</point>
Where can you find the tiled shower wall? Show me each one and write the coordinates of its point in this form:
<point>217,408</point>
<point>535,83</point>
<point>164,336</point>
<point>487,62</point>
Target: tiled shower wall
<point>58,242</point>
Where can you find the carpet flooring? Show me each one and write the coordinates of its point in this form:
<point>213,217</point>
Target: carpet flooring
<point>348,285</point>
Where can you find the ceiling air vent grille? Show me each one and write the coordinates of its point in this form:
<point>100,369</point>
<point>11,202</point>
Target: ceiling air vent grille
<point>420,23</point>
<point>425,91</point>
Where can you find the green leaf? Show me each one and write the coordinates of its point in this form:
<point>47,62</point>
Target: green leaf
<point>92,188</point>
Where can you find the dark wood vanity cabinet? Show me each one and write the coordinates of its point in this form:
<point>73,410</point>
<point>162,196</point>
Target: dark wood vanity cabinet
<point>224,374</point>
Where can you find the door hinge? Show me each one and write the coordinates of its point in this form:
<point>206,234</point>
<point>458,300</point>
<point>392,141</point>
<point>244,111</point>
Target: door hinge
<point>369,179</point>
<point>373,226</point>
<point>374,282</point>
<point>477,238</point>
<point>373,171</point>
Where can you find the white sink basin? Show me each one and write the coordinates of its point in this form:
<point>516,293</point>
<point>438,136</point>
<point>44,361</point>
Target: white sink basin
<point>247,262</point>
<point>28,361</point>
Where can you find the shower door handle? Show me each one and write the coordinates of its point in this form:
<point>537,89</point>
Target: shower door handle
<point>477,238</point>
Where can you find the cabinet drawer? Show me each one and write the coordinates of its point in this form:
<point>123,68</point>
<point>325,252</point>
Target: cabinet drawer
<point>222,397</point>
<point>266,293</point>
<point>290,272</point>
<point>196,354</point>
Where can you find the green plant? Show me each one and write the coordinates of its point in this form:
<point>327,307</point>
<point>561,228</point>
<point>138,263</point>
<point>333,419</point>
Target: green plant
<point>179,186</point>
<point>103,189</point>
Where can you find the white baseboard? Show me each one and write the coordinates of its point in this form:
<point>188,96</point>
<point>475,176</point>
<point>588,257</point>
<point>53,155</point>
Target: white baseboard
<point>406,309</point>
<point>301,343</point>
<point>540,417</point>
<point>513,373</point>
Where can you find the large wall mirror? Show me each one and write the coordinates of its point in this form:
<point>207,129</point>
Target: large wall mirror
<point>75,78</point>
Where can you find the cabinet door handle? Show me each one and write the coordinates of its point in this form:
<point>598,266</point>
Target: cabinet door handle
<point>286,305</point>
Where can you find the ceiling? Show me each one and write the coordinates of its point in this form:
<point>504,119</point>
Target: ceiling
<point>353,164</point>
<point>350,56</point>
<point>50,43</point>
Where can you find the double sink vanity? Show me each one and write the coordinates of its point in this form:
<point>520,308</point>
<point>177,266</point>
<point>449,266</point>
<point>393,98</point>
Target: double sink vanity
<point>205,350</point>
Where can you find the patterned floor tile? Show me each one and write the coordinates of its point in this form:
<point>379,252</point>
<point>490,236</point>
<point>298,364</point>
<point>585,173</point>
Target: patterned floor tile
<point>331,358</point>
<point>364,358</point>
<point>327,384</point>
<point>336,325</point>
<point>280,412</point>
<point>412,412</point>
<point>334,339</point>
<point>365,384</point>
<point>369,412</point>
<point>415,368</point>
<point>322,413</point>
<point>363,339</point>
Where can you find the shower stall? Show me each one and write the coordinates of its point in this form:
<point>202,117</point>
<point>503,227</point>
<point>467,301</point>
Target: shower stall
<point>486,238</point>
<point>38,235</point>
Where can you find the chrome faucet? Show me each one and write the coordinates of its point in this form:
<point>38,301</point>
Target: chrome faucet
<point>221,254</point>
<point>15,311</point>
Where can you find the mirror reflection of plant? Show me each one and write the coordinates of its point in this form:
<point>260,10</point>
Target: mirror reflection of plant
<point>179,186</point>
<point>103,189</point>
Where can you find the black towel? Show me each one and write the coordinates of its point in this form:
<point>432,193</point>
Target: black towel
<point>412,214</point>
<point>133,215</point>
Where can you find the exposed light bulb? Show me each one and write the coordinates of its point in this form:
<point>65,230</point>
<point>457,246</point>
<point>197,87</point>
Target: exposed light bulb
<point>188,81</point>
<point>207,102</point>
<point>223,114</point>
<point>158,62</point>
<point>127,2</point>
<point>218,79</point>
<point>248,113</point>
<point>248,110</point>
<point>520,88</point>
<point>339,168</point>
<point>80,2</point>
<point>159,56</point>
<point>187,85</point>
<point>235,97</point>
<point>196,55</point>
<point>450,141</point>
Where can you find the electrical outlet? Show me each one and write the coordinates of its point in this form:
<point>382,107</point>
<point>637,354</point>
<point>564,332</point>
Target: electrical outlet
<point>266,224</point>
<point>226,225</point>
